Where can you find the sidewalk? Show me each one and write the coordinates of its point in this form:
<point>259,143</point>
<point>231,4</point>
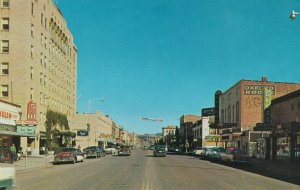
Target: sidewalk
<point>30,163</point>
<point>281,169</point>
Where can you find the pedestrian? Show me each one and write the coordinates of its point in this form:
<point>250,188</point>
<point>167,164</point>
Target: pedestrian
<point>12,152</point>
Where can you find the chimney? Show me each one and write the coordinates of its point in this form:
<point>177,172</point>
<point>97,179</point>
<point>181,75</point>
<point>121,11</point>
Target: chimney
<point>264,79</point>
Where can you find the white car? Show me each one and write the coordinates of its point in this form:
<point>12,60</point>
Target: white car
<point>110,150</point>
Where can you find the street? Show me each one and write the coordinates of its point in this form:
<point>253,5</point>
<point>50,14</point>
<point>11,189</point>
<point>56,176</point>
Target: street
<point>143,171</point>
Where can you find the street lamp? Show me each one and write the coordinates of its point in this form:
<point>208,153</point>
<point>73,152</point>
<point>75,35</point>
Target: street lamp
<point>88,124</point>
<point>293,14</point>
<point>92,100</point>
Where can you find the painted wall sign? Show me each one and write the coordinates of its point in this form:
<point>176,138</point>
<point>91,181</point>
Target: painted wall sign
<point>257,89</point>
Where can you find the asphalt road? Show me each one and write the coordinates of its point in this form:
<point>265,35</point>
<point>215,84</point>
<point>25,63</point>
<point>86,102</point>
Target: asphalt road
<point>142,171</point>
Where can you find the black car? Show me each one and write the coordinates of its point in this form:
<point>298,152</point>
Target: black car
<point>94,151</point>
<point>159,151</point>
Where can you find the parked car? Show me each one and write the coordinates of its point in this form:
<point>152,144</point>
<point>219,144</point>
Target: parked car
<point>124,151</point>
<point>215,153</point>
<point>206,151</point>
<point>7,177</point>
<point>64,157</point>
<point>151,147</point>
<point>93,152</point>
<point>198,151</point>
<point>233,155</point>
<point>159,151</point>
<point>79,154</point>
<point>110,150</point>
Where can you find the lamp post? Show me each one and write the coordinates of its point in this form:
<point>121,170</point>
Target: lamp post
<point>293,14</point>
<point>88,123</point>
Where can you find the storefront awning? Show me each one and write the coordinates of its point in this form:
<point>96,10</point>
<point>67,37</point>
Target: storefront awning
<point>17,134</point>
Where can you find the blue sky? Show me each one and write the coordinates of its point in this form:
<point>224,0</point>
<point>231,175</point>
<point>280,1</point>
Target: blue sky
<point>166,58</point>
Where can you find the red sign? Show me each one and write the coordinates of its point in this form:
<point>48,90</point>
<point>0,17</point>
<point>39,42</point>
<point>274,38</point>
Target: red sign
<point>31,111</point>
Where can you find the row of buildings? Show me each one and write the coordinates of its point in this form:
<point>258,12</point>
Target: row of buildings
<point>38,75</point>
<point>260,117</point>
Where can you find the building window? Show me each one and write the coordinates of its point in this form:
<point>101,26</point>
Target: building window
<point>32,31</point>
<point>31,93</point>
<point>5,23</point>
<point>31,73</point>
<point>46,23</point>
<point>233,112</point>
<point>31,51</point>
<point>229,114</point>
<point>4,46</point>
<point>292,107</point>
<point>41,78</point>
<point>4,69</point>
<point>222,116</point>
<point>4,90</point>
<point>237,109</point>
<point>42,38</point>
<point>32,9</point>
<point>5,3</point>
<point>42,19</point>
<point>45,80</point>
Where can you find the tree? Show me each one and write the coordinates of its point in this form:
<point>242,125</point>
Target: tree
<point>53,120</point>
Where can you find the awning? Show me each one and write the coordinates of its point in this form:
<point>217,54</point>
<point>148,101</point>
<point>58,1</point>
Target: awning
<point>236,134</point>
<point>101,139</point>
<point>17,134</point>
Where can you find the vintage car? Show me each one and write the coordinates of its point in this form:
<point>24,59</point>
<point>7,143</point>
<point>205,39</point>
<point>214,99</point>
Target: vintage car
<point>197,151</point>
<point>215,153</point>
<point>233,155</point>
<point>64,157</point>
<point>80,156</point>
<point>93,151</point>
<point>159,151</point>
<point>110,150</point>
<point>124,151</point>
<point>7,177</point>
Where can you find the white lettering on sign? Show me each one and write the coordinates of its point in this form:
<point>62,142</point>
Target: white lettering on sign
<point>257,89</point>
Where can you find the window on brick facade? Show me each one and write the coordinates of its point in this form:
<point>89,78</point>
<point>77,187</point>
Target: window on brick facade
<point>4,46</point>
<point>5,3</point>
<point>237,108</point>
<point>4,90</point>
<point>4,69</point>
<point>5,23</point>
<point>233,114</point>
<point>229,114</point>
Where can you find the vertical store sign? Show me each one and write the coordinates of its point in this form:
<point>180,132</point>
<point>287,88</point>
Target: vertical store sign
<point>267,97</point>
<point>217,105</point>
<point>31,111</point>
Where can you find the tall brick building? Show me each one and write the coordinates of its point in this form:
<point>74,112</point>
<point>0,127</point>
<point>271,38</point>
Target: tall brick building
<point>243,105</point>
<point>38,61</point>
<point>185,130</point>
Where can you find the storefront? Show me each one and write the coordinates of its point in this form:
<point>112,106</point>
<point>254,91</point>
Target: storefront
<point>288,140</point>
